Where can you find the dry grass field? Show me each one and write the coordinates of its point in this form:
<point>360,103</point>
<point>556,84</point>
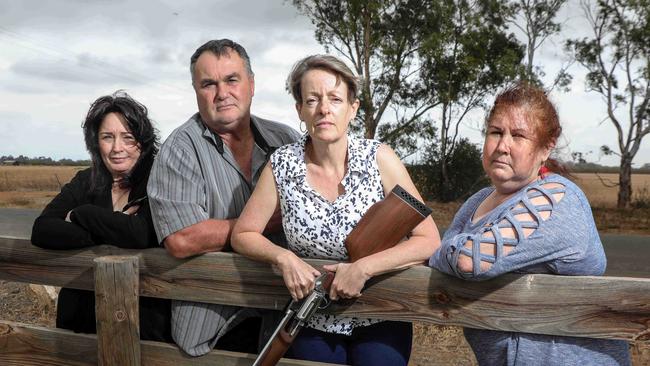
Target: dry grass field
<point>34,187</point>
<point>603,196</point>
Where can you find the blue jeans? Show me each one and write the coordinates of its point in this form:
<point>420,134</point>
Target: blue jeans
<point>387,343</point>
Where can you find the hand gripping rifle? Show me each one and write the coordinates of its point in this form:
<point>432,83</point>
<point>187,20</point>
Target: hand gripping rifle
<point>381,227</point>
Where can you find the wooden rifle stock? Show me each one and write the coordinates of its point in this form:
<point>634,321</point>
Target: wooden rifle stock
<point>385,224</point>
<point>381,227</point>
<point>280,341</point>
<point>295,317</point>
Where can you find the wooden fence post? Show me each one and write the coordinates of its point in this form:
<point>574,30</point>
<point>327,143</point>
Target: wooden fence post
<point>116,310</point>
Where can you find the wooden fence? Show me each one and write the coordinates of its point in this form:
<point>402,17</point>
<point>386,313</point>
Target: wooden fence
<point>582,306</point>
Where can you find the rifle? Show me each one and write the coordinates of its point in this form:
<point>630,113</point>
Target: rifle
<point>384,224</point>
<point>296,315</point>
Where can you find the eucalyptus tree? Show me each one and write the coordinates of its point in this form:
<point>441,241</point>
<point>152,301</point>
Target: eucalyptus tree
<point>425,65</point>
<point>537,22</point>
<point>466,55</point>
<point>617,58</point>
<point>377,37</point>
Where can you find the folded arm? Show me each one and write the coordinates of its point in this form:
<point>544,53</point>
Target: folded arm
<point>475,255</point>
<point>177,197</point>
<point>106,226</point>
<point>90,224</point>
<point>51,230</point>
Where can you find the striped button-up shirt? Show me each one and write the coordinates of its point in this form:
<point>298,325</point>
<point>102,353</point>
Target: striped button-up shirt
<point>195,177</point>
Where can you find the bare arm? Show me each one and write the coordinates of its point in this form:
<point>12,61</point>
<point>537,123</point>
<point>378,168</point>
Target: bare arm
<point>248,240</point>
<point>424,239</point>
<point>210,235</point>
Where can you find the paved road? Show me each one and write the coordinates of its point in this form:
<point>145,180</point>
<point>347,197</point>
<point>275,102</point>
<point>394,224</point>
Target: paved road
<point>627,255</point>
<point>17,222</point>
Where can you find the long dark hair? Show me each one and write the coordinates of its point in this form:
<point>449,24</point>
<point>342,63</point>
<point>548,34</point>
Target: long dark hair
<point>138,124</point>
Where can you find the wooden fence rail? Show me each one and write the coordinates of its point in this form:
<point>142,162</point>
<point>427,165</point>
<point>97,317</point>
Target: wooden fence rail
<point>601,307</point>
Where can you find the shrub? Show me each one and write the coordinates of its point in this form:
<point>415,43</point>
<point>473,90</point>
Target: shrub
<point>465,174</point>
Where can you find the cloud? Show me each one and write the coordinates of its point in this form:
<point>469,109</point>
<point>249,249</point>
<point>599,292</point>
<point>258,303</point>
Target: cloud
<point>28,136</point>
<point>59,56</point>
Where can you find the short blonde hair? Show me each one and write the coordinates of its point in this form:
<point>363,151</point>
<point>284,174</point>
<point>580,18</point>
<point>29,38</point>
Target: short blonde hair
<point>322,62</point>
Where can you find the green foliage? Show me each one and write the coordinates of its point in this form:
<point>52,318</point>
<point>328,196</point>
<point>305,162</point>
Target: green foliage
<point>466,174</point>
<point>536,20</point>
<point>415,57</point>
<point>377,37</point>
<point>430,63</point>
<point>466,56</point>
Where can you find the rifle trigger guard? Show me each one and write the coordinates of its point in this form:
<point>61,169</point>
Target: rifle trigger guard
<point>326,302</point>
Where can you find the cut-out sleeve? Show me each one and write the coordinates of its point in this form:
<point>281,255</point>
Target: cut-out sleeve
<point>547,228</point>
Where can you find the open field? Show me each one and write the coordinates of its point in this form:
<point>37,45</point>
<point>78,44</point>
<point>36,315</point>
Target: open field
<point>600,195</point>
<point>35,178</point>
<point>32,186</point>
<point>35,186</point>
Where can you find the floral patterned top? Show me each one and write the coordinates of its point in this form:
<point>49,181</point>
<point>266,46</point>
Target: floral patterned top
<point>316,227</point>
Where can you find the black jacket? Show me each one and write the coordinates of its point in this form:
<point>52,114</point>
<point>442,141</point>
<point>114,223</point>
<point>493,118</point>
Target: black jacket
<point>95,223</point>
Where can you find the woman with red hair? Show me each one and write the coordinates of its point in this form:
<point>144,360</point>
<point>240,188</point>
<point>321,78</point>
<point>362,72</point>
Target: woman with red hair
<point>531,220</point>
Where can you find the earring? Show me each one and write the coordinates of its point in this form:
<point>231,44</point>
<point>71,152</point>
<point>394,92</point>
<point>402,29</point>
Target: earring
<point>543,170</point>
<point>300,127</point>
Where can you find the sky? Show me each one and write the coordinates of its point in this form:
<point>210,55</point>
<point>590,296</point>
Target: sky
<point>57,57</point>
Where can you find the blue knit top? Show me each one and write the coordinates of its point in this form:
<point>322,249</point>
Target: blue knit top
<point>559,237</point>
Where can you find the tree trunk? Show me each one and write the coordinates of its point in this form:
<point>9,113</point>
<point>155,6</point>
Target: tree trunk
<point>625,183</point>
<point>444,179</point>
<point>371,127</point>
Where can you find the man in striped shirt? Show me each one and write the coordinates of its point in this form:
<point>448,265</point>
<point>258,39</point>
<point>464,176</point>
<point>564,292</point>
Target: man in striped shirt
<point>202,177</point>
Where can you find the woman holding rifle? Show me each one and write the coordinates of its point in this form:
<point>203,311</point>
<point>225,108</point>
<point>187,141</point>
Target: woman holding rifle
<point>323,185</point>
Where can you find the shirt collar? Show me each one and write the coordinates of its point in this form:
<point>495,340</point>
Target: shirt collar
<point>356,162</point>
<point>260,134</point>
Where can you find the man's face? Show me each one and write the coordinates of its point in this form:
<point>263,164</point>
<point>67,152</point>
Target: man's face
<point>224,90</point>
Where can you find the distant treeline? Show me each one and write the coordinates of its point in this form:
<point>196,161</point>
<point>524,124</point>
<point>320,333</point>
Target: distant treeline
<point>41,160</point>
<point>597,168</point>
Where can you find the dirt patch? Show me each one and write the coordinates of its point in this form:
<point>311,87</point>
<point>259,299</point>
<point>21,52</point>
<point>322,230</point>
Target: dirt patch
<point>19,303</point>
<point>435,345</point>
<point>622,221</point>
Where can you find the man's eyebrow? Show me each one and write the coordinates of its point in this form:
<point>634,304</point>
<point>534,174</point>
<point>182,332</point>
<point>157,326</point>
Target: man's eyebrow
<point>231,75</point>
<point>207,81</point>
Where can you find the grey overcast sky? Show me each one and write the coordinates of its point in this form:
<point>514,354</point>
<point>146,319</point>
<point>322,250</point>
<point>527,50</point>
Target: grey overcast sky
<point>56,57</point>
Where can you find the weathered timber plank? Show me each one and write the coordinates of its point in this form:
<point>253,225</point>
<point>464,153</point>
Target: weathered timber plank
<point>603,307</point>
<point>26,345</point>
<point>116,309</point>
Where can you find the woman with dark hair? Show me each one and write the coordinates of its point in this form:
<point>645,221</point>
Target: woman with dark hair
<point>107,204</point>
<point>532,220</point>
